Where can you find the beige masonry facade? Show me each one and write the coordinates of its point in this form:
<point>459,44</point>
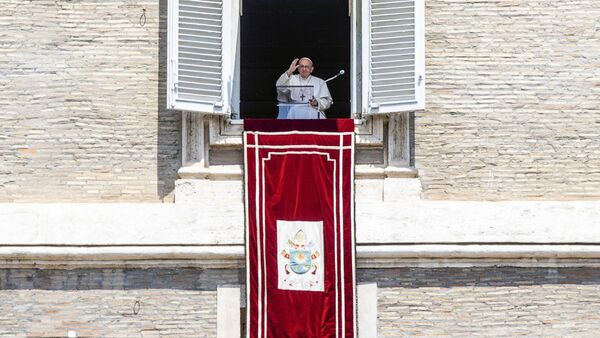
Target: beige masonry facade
<point>459,302</point>
<point>83,111</point>
<point>512,92</point>
<point>511,125</point>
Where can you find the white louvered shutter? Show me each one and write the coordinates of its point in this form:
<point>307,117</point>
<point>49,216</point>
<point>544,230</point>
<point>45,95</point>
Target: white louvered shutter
<point>199,73</point>
<point>393,56</point>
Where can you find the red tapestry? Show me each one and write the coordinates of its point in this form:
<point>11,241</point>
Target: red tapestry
<point>300,228</point>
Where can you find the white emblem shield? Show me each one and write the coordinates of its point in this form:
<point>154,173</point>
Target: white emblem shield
<point>300,255</point>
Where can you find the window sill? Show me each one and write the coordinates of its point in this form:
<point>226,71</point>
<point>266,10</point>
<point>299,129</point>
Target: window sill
<point>236,172</point>
<point>240,122</point>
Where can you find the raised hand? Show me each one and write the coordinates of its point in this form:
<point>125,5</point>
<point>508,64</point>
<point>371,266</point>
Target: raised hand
<point>293,67</point>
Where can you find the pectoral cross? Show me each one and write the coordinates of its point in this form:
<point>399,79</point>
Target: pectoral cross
<point>302,96</point>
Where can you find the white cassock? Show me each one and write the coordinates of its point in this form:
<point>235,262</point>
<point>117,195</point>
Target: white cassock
<point>297,97</point>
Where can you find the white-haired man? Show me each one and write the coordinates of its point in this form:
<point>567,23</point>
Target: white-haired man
<point>304,88</point>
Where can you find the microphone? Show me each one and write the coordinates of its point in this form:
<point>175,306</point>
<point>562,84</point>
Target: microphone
<point>341,72</point>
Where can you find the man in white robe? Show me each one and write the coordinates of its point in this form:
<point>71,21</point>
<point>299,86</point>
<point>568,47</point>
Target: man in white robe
<point>308,97</point>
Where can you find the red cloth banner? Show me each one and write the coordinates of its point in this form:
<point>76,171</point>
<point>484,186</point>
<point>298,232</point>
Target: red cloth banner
<point>300,254</point>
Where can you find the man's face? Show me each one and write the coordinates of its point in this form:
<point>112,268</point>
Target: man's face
<point>305,68</point>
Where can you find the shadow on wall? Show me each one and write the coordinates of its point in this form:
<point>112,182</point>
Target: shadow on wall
<point>168,150</point>
<point>119,279</point>
<point>209,279</point>
<point>478,276</point>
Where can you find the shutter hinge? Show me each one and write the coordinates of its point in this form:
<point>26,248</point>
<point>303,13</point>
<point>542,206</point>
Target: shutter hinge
<point>373,106</point>
<point>174,95</point>
<point>218,106</point>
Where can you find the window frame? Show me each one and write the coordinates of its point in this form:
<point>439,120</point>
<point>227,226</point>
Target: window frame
<point>361,103</point>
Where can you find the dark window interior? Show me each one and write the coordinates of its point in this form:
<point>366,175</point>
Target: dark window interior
<point>274,32</point>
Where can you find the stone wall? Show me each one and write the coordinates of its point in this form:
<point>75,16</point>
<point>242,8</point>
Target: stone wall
<point>497,302</point>
<point>181,302</point>
<point>513,97</point>
<point>82,110</point>
<point>102,302</point>
<point>513,100</point>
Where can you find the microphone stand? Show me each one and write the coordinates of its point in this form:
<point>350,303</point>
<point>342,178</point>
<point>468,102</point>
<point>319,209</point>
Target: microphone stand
<point>341,72</point>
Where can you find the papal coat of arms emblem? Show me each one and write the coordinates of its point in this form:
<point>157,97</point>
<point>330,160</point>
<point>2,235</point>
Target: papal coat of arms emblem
<point>300,256</point>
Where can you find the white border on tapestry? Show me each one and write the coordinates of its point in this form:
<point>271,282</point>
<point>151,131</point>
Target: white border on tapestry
<point>335,224</point>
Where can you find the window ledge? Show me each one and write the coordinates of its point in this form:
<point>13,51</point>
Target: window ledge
<point>218,172</point>
<point>235,172</point>
<point>240,122</point>
<point>368,256</point>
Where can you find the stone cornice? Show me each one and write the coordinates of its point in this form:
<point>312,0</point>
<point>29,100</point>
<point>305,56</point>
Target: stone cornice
<point>368,256</point>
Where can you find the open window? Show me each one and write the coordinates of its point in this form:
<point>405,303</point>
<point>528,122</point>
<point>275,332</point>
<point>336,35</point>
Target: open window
<point>219,64</point>
<point>273,33</point>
